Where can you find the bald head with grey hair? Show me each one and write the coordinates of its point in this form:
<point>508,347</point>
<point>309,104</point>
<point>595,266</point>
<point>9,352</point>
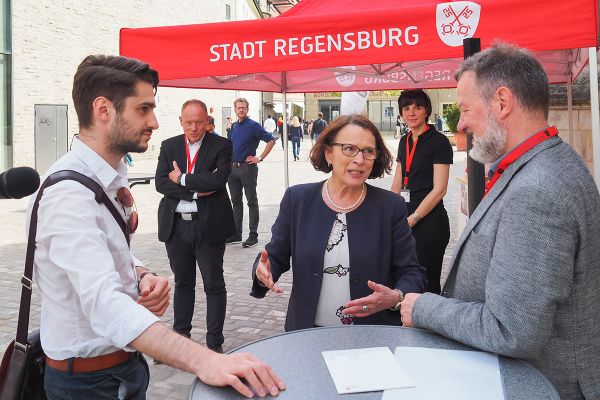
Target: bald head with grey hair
<point>514,68</point>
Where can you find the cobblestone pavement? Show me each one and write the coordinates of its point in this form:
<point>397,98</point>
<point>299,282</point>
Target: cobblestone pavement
<point>248,319</point>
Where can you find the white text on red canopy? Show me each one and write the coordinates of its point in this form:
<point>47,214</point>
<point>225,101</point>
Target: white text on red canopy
<point>292,46</point>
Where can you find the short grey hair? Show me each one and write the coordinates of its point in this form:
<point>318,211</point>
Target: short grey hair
<point>513,67</point>
<point>197,102</point>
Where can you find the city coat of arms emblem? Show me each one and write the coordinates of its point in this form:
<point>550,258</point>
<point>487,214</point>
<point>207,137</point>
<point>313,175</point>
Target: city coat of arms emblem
<point>456,21</point>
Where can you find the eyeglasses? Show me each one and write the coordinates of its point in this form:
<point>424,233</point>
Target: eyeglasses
<point>126,199</point>
<point>351,150</point>
<point>241,108</point>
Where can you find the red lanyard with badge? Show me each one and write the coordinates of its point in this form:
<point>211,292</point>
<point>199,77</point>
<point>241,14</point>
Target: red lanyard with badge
<point>405,191</point>
<point>518,152</point>
<point>192,163</point>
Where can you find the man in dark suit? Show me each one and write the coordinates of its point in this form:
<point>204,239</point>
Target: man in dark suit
<point>195,217</point>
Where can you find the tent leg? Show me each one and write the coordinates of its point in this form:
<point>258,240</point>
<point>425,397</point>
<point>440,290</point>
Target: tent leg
<point>570,108</point>
<point>593,61</point>
<point>286,169</point>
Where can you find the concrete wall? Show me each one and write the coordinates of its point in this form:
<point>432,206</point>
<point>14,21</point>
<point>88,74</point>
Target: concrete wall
<point>50,38</point>
<point>581,138</point>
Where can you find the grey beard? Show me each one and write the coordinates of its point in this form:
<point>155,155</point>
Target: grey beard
<point>491,145</point>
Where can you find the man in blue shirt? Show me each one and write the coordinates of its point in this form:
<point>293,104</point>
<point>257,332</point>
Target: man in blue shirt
<point>246,134</point>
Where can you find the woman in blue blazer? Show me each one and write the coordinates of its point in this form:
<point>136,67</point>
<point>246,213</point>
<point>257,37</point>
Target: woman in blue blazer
<point>350,244</point>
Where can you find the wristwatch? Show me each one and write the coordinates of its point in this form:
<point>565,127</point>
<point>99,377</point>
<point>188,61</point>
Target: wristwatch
<point>400,299</point>
<point>179,179</point>
<point>259,158</point>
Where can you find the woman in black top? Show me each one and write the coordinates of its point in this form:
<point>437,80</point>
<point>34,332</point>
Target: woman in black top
<point>422,172</point>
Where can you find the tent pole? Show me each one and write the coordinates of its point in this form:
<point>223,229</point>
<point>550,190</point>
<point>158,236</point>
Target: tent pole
<point>570,107</point>
<point>286,171</point>
<point>593,61</point>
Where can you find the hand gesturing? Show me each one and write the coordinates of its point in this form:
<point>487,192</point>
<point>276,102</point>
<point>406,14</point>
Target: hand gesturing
<point>263,272</point>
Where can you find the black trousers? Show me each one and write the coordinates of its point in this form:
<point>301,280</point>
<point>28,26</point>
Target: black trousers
<point>185,248</point>
<point>432,235</point>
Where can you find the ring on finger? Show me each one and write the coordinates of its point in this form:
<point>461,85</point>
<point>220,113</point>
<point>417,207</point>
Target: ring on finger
<point>365,308</point>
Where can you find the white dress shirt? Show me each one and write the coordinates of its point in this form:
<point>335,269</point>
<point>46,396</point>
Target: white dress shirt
<point>83,267</point>
<point>185,206</point>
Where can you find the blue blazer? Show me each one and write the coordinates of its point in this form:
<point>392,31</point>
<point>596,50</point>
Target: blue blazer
<point>381,247</point>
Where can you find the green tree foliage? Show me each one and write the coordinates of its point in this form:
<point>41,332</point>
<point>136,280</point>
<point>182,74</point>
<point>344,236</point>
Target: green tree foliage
<point>452,115</point>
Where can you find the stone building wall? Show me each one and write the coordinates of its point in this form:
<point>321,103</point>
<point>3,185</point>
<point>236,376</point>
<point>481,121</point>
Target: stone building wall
<point>50,38</point>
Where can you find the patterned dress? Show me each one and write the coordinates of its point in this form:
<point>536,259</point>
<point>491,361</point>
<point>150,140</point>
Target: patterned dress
<point>335,288</point>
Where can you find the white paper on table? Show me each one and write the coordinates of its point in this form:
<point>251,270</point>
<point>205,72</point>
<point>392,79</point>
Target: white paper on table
<point>365,370</point>
<point>448,375</point>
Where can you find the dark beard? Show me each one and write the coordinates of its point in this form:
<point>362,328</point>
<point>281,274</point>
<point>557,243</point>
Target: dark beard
<point>121,145</point>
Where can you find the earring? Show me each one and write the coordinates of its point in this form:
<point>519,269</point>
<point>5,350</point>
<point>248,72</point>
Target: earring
<point>329,165</point>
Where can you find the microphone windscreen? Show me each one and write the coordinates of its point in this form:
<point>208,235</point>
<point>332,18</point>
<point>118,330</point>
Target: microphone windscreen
<point>19,182</point>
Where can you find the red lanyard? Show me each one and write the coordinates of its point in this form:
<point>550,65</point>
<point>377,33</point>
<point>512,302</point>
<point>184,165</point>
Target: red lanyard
<point>518,152</point>
<point>190,164</point>
<point>410,155</point>
<point>409,159</point>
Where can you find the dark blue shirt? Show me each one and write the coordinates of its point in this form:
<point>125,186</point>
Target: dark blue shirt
<point>245,136</point>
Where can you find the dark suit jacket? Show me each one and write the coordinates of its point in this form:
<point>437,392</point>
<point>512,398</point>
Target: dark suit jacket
<point>212,169</point>
<point>381,246</point>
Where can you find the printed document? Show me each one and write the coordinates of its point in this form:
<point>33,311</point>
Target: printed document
<point>365,370</point>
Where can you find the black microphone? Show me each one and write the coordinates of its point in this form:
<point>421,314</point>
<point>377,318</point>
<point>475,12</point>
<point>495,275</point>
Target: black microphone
<point>18,182</point>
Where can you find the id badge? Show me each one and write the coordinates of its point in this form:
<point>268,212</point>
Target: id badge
<point>405,193</point>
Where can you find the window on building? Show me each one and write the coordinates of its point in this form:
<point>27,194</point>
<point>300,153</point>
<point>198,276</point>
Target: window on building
<point>227,12</point>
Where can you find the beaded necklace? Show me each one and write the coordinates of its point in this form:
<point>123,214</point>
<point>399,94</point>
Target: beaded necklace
<point>340,207</point>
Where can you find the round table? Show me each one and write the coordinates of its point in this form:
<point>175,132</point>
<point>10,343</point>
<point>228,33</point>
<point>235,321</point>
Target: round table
<point>296,358</point>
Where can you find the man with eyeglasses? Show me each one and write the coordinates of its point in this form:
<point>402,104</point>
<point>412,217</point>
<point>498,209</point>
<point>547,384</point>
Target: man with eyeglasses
<point>246,134</point>
<point>100,306</point>
<point>195,218</point>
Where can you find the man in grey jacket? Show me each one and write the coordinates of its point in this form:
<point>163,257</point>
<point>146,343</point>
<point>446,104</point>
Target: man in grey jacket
<point>525,278</point>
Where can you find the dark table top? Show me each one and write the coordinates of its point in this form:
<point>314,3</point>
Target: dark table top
<point>296,358</point>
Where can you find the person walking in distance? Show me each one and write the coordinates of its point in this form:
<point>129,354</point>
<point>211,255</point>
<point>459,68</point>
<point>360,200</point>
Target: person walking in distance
<point>318,126</point>
<point>246,134</point>
<point>295,133</point>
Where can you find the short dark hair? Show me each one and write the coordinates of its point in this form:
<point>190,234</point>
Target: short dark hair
<point>417,97</point>
<point>113,77</point>
<point>211,120</point>
<point>513,67</point>
<point>381,165</point>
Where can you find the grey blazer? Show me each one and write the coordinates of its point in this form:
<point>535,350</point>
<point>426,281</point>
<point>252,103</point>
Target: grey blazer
<point>525,277</point>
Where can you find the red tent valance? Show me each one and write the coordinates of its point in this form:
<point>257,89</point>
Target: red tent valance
<point>352,45</point>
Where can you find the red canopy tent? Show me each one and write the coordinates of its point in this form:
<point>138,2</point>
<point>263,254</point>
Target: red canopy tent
<point>357,45</point>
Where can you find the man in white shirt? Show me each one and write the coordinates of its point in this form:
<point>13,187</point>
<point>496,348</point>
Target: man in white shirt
<point>100,306</point>
<point>270,125</point>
